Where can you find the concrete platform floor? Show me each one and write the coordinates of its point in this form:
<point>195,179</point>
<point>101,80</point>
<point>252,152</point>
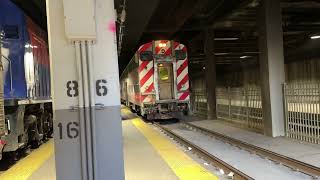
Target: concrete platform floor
<point>147,155</point>
<point>140,157</point>
<point>38,165</point>
<point>47,171</point>
<point>302,151</point>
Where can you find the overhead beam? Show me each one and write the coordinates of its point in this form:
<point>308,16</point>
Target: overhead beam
<point>136,22</point>
<point>226,9</point>
<point>187,9</point>
<point>33,11</point>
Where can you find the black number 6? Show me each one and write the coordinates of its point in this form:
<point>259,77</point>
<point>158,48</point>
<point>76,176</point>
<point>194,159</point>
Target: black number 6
<point>101,86</point>
<point>73,129</point>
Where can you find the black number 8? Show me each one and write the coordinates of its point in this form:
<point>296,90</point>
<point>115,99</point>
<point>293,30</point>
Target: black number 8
<point>73,88</point>
<point>101,86</point>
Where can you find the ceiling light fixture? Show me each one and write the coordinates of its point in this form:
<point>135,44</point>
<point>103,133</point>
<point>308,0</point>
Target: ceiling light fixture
<point>220,54</point>
<point>226,39</point>
<point>315,37</point>
<point>243,57</point>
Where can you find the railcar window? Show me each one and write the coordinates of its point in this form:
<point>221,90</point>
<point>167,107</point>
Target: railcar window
<point>163,73</point>
<point>146,56</point>
<point>180,54</point>
<point>11,32</point>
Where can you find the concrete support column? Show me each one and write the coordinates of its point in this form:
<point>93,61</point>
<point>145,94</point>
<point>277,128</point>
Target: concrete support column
<point>271,66</point>
<point>85,81</point>
<point>210,74</point>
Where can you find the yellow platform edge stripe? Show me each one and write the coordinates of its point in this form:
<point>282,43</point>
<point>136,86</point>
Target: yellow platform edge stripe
<point>182,165</point>
<point>125,111</point>
<point>25,167</point>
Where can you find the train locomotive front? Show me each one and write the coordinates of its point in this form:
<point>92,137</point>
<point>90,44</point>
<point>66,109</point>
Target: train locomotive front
<point>156,81</point>
<point>25,95</point>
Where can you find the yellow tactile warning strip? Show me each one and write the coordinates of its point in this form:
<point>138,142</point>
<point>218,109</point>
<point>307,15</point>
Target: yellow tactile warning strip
<point>182,165</point>
<point>28,165</point>
<point>125,111</point>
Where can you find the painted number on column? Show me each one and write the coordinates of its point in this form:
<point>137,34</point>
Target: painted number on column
<point>72,130</point>
<point>101,88</point>
<point>72,88</point>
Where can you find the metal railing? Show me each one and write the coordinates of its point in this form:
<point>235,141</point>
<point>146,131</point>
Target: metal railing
<point>241,106</point>
<point>302,111</point>
<point>199,102</point>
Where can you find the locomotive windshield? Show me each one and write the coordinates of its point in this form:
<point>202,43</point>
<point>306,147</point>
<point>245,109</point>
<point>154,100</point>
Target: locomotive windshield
<point>11,32</point>
<point>146,56</point>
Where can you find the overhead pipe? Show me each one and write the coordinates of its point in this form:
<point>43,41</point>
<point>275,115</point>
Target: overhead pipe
<point>92,105</point>
<point>83,148</point>
<point>86,109</point>
<point>121,21</point>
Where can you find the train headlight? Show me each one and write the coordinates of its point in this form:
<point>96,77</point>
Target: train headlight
<point>162,45</point>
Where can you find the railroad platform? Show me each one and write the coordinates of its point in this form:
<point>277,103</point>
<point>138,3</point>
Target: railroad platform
<point>38,165</point>
<point>151,155</point>
<point>148,154</point>
<point>301,151</point>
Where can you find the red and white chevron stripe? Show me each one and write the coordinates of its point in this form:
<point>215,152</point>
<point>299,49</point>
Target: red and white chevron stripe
<point>182,74</point>
<point>166,50</point>
<point>146,71</point>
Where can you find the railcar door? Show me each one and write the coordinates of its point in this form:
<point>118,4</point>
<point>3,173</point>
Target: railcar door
<point>165,81</point>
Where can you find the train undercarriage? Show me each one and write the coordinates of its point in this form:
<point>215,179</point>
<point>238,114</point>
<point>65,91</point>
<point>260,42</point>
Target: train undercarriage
<point>160,110</point>
<point>26,125</point>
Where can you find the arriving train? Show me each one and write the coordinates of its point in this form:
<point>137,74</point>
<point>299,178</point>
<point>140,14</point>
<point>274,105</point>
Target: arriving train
<point>156,80</point>
<point>25,96</point>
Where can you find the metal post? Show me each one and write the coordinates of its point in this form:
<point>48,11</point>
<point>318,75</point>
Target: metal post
<point>210,74</point>
<point>85,82</point>
<point>271,66</point>
<point>229,102</point>
<point>285,106</point>
<point>247,105</point>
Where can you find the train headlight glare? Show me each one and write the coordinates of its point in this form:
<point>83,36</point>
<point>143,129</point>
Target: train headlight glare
<point>162,45</point>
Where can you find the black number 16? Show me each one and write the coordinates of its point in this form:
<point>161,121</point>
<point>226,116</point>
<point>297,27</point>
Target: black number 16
<point>72,130</point>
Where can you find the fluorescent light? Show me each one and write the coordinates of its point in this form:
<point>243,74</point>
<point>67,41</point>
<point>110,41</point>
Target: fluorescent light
<point>220,54</point>
<point>243,57</point>
<point>226,39</point>
<point>315,37</point>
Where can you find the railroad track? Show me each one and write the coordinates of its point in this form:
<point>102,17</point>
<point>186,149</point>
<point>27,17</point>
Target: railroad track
<point>237,174</point>
<point>294,164</point>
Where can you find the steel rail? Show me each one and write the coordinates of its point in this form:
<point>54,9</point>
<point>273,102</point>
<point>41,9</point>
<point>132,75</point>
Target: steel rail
<point>238,175</point>
<point>284,160</point>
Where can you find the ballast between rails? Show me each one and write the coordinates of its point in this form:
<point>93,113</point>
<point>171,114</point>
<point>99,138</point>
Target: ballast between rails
<point>238,175</point>
<point>284,160</point>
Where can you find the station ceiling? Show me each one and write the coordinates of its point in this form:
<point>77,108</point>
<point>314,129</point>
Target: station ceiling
<point>185,21</point>
<point>36,9</point>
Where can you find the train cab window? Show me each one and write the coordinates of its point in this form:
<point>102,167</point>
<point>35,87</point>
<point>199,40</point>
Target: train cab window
<point>11,32</point>
<point>180,54</point>
<point>163,72</point>
<point>146,56</point>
